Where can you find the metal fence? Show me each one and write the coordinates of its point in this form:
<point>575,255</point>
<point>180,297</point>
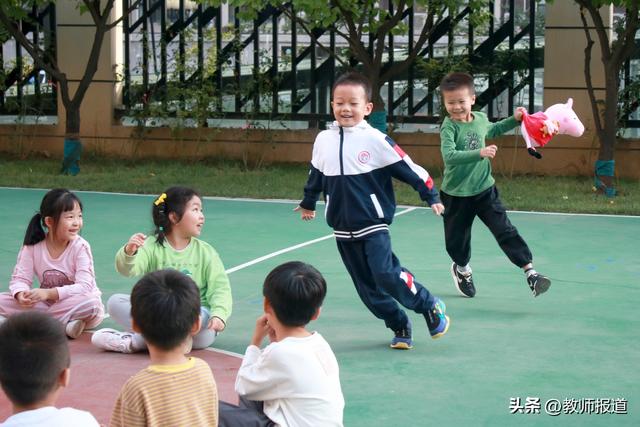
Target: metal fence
<point>183,60</point>
<point>202,58</point>
<point>25,89</point>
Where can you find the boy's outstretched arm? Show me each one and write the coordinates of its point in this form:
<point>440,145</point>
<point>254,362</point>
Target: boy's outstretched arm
<point>312,189</point>
<point>417,177</point>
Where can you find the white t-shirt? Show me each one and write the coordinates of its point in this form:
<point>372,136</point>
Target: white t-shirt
<point>51,417</point>
<point>298,380</point>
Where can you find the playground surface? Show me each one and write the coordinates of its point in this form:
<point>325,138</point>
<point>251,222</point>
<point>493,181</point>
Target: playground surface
<point>566,358</point>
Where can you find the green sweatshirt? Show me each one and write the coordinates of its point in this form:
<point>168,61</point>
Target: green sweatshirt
<point>198,260</point>
<point>465,172</point>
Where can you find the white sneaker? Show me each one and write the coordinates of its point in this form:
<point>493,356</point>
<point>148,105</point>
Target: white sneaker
<point>74,328</point>
<point>112,340</point>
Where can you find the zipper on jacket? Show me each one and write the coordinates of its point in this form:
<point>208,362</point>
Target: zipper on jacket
<point>341,144</point>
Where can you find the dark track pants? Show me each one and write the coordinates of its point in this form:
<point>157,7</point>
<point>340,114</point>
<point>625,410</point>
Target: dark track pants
<point>458,218</point>
<point>380,280</point>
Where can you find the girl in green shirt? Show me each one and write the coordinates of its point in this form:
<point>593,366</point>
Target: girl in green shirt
<point>178,218</point>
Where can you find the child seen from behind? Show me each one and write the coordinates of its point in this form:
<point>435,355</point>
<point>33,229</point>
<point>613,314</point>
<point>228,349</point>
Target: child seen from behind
<point>174,390</point>
<point>34,368</point>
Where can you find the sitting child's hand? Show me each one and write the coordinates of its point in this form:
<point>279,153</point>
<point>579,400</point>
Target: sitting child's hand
<point>134,243</point>
<point>39,294</point>
<point>262,330</point>
<point>305,214</point>
<point>24,299</point>
<point>437,208</point>
<point>216,324</point>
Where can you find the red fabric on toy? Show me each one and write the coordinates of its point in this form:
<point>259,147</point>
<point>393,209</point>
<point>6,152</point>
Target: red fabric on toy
<point>535,126</point>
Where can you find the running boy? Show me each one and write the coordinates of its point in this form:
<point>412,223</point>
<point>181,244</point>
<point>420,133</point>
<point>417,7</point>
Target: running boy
<point>353,165</point>
<point>468,189</point>
<point>174,390</point>
<point>295,380</point>
<point>34,368</point>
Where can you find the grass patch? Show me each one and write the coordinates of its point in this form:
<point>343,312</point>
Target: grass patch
<point>285,181</point>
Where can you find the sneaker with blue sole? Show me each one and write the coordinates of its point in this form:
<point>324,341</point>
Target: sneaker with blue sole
<point>402,339</point>
<point>437,320</point>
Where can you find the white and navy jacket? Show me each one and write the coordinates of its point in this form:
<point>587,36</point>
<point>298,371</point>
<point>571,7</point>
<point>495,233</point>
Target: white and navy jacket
<point>353,167</point>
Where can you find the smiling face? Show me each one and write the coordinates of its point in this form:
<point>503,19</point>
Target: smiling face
<point>192,221</point>
<point>68,226</point>
<point>458,103</point>
<point>350,104</point>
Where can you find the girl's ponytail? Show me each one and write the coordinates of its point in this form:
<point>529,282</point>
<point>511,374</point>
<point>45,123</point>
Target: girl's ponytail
<point>160,218</point>
<point>35,232</point>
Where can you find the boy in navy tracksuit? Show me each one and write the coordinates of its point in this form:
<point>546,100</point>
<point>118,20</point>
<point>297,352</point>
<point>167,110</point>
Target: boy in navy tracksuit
<point>353,165</point>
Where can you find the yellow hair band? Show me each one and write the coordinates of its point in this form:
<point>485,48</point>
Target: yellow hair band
<point>160,200</point>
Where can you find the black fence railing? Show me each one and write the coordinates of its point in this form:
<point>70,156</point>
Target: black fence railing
<point>202,62</point>
<point>25,89</point>
<point>207,59</point>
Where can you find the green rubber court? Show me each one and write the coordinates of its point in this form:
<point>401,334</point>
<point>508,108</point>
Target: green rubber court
<point>568,358</point>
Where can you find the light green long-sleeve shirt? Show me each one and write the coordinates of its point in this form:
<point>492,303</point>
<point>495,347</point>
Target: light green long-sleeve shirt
<point>198,260</point>
<point>465,172</point>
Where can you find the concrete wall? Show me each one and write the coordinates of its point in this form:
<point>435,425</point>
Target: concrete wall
<point>562,156</point>
<point>563,78</point>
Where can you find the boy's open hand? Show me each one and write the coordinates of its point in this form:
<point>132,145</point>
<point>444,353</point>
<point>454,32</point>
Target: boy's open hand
<point>134,243</point>
<point>305,214</point>
<point>489,151</point>
<point>437,208</point>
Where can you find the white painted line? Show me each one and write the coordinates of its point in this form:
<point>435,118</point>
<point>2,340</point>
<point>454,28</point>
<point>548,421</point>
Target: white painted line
<point>228,353</point>
<point>293,248</point>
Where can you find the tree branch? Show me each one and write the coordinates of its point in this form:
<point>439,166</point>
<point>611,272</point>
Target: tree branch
<point>34,51</point>
<point>425,33</point>
<point>125,13</point>
<point>384,29</point>
<point>625,46</point>
<point>353,38</point>
<point>306,29</point>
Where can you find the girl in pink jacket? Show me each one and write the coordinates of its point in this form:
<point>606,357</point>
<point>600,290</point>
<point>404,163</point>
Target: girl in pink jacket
<point>61,260</point>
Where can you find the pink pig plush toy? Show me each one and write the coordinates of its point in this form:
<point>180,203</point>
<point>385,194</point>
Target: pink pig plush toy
<point>538,128</point>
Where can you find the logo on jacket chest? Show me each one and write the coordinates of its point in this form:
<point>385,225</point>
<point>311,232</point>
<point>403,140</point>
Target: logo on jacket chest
<point>364,157</point>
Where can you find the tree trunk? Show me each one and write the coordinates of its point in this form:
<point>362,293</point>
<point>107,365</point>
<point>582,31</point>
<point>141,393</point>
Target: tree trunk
<point>605,165</point>
<point>72,144</point>
<point>608,134</point>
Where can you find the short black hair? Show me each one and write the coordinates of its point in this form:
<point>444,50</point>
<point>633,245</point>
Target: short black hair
<point>33,353</point>
<point>457,80</point>
<point>165,304</point>
<point>354,79</point>
<point>295,291</point>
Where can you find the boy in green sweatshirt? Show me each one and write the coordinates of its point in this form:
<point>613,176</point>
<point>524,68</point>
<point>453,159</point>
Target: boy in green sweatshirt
<point>468,189</point>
